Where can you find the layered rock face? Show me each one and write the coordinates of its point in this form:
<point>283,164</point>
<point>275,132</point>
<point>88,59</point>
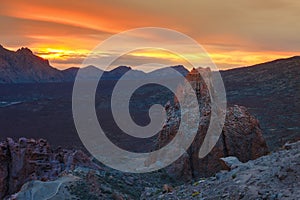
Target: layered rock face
<point>241,135</point>
<point>30,159</point>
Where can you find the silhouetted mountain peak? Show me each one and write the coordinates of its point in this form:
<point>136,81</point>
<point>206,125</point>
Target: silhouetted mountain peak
<point>179,67</point>
<point>22,66</point>
<point>91,68</point>
<point>165,72</point>
<point>121,69</point>
<point>24,50</point>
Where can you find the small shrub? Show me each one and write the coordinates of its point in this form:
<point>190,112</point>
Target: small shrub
<point>195,194</point>
<point>233,176</point>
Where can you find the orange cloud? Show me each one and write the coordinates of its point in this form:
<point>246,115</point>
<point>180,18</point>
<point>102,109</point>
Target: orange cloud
<point>235,34</point>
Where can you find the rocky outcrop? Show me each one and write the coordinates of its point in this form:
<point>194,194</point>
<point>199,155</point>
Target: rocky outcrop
<point>30,159</point>
<point>241,135</point>
<point>274,176</point>
<point>85,183</point>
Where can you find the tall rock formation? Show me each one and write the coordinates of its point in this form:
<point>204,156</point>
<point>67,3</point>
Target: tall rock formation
<point>241,135</point>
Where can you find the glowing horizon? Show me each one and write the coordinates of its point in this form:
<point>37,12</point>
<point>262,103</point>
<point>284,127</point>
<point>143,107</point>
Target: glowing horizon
<point>234,35</point>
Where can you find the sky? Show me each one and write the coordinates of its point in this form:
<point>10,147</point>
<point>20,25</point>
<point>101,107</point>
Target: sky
<point>234,33</point>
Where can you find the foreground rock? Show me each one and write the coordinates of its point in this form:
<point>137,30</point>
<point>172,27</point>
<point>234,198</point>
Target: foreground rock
<point>275,176</point>
<point>30,159</point>
<point>31,169</point>
<point>85,183</point>
<point>241,135</point>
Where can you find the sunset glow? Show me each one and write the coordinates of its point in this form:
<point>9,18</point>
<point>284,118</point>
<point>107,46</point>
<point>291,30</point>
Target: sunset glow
<point>234,35</point>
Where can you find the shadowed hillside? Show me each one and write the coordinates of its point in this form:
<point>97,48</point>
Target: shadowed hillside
<point>271,91</point>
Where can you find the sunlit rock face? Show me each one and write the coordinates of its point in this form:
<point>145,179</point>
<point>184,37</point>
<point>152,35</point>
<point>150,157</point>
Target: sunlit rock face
<point>241,135</point>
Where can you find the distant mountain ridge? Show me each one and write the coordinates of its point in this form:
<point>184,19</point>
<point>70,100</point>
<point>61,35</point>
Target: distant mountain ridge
<point>92,72</point>
<point>22,66</point>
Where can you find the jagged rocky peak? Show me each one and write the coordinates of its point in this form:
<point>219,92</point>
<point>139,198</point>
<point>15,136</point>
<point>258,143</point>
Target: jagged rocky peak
<point>199,70</point>
<point>198,78</point>
<point>194,76</point>
<point>24,50</point>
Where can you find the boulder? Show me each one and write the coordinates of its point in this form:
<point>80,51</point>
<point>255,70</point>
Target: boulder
<point>230,162</point>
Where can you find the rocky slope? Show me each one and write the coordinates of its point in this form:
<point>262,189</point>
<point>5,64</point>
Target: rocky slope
<point>274,176</point>
<point>271,91</point>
